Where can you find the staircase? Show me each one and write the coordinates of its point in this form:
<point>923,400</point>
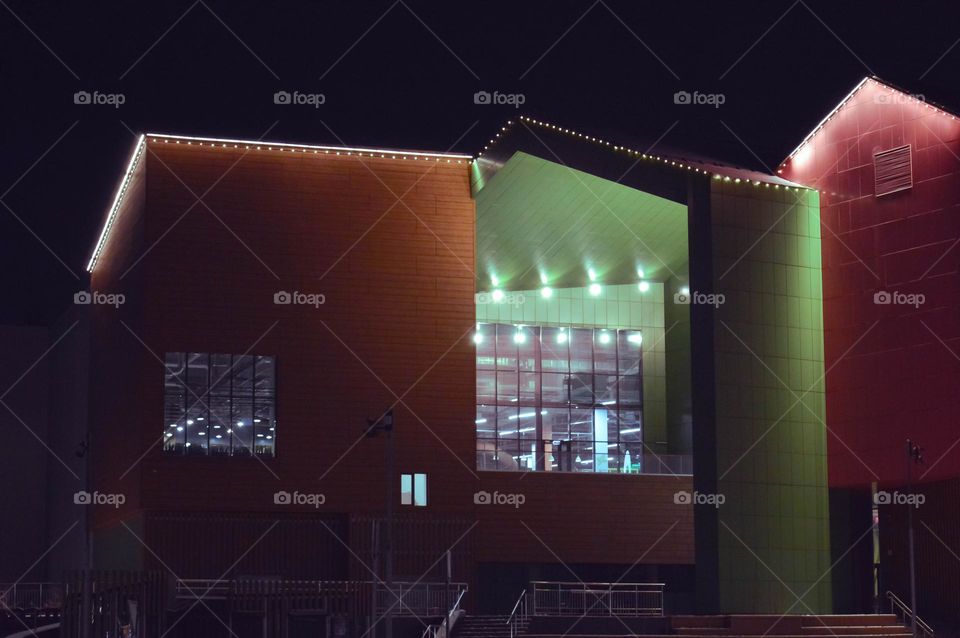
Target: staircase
<point>487,626</point>
<point>825,626</point>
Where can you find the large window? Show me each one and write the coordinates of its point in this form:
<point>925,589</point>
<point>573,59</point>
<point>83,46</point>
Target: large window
<point>559,399</point>
<point>219,404</point>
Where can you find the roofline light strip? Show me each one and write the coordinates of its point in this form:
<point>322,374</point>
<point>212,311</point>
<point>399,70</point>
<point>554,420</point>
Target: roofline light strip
<point>665,160</point>
<point>117,199</point>
<point>833,112</point>
<point>859,86</point>
<point>141,144</point>
<point>352,149</point>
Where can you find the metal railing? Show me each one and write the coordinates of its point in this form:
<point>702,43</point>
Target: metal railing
<point>203,588</point>
<point>905,615</point>
<point>442,629</point>
<point>552,598</point>
<point>417,599</point>
<point>19,596</point>
<point>518,614</point>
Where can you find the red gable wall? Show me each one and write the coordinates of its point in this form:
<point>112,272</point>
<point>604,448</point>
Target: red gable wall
<point>893,370</point>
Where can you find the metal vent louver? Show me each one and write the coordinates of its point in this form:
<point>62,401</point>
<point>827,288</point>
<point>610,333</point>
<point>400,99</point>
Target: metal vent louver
<point>893,170</point>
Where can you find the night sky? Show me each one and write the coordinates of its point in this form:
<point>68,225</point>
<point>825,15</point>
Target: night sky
<point>403,74</point>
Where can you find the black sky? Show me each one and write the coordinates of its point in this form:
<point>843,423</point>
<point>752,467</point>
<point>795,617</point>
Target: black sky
<point>403,74</point>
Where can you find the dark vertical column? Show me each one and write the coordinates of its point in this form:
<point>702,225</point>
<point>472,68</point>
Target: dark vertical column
<point>706,517</point>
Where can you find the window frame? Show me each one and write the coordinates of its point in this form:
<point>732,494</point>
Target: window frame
<point>222,390</point>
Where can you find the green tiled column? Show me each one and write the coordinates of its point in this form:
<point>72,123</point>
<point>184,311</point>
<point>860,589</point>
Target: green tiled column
<point>772,532</point>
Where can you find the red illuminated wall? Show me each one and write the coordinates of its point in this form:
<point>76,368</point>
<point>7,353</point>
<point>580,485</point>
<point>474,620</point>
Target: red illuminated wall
<point>890,370</point>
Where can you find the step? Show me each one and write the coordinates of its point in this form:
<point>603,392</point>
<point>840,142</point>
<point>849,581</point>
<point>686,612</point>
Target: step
<point>837,620</point>
<point>852,630</point>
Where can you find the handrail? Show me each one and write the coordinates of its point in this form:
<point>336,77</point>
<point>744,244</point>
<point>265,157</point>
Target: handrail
<point>36,595</point>
<point>434,631</point>
<point>564,598</point>
<point>897,605</point>
<point>518,613</point>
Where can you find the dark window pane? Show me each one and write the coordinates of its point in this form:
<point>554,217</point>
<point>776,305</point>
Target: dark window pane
<point>631,428</point>
<point>555,388</point>
<point>582,451</point>
<point>197,376</point>
<point>556,423</point>
<point>242,426</point>
<point>507,422</point>
<point>487,454</point>
<point>629,390</point>
<point>605,351</point>
<point>220,430</point>
<point>527,339</point>
<point>265,375</point>
<point>486,342</point>
<point>581,424</point>
<point>506,387</point>
<point>506,347</point>
<point>554,348</point>
<point>263,428</point>
<point>486,386</point>
<point>606,389</point>
<point>486,421</point>
<point>581,350</point>
<point>581,388</point>
<point>243,375</point>
<point>529,388</point>
<point>508,455</point>
<point>220,374</point>
<point>629,351</point>
<point>197,429</point>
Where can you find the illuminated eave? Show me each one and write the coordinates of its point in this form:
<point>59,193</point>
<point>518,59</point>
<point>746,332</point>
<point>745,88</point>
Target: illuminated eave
<point>252,145</point>
<point>847,98</point>
<point>715,171</point>
<point>117,200</point>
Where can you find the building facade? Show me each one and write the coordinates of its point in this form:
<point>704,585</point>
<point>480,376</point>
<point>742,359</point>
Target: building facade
<point>601,364</point>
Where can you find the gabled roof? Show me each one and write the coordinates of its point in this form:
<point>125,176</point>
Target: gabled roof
<point>681,162</point>
<point>846,100</point>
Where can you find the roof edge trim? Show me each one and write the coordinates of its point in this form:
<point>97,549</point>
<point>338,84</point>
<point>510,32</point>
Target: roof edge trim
<point>117,200</point>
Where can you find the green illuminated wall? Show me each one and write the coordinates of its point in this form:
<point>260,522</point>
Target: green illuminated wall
<point>772,533</point>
